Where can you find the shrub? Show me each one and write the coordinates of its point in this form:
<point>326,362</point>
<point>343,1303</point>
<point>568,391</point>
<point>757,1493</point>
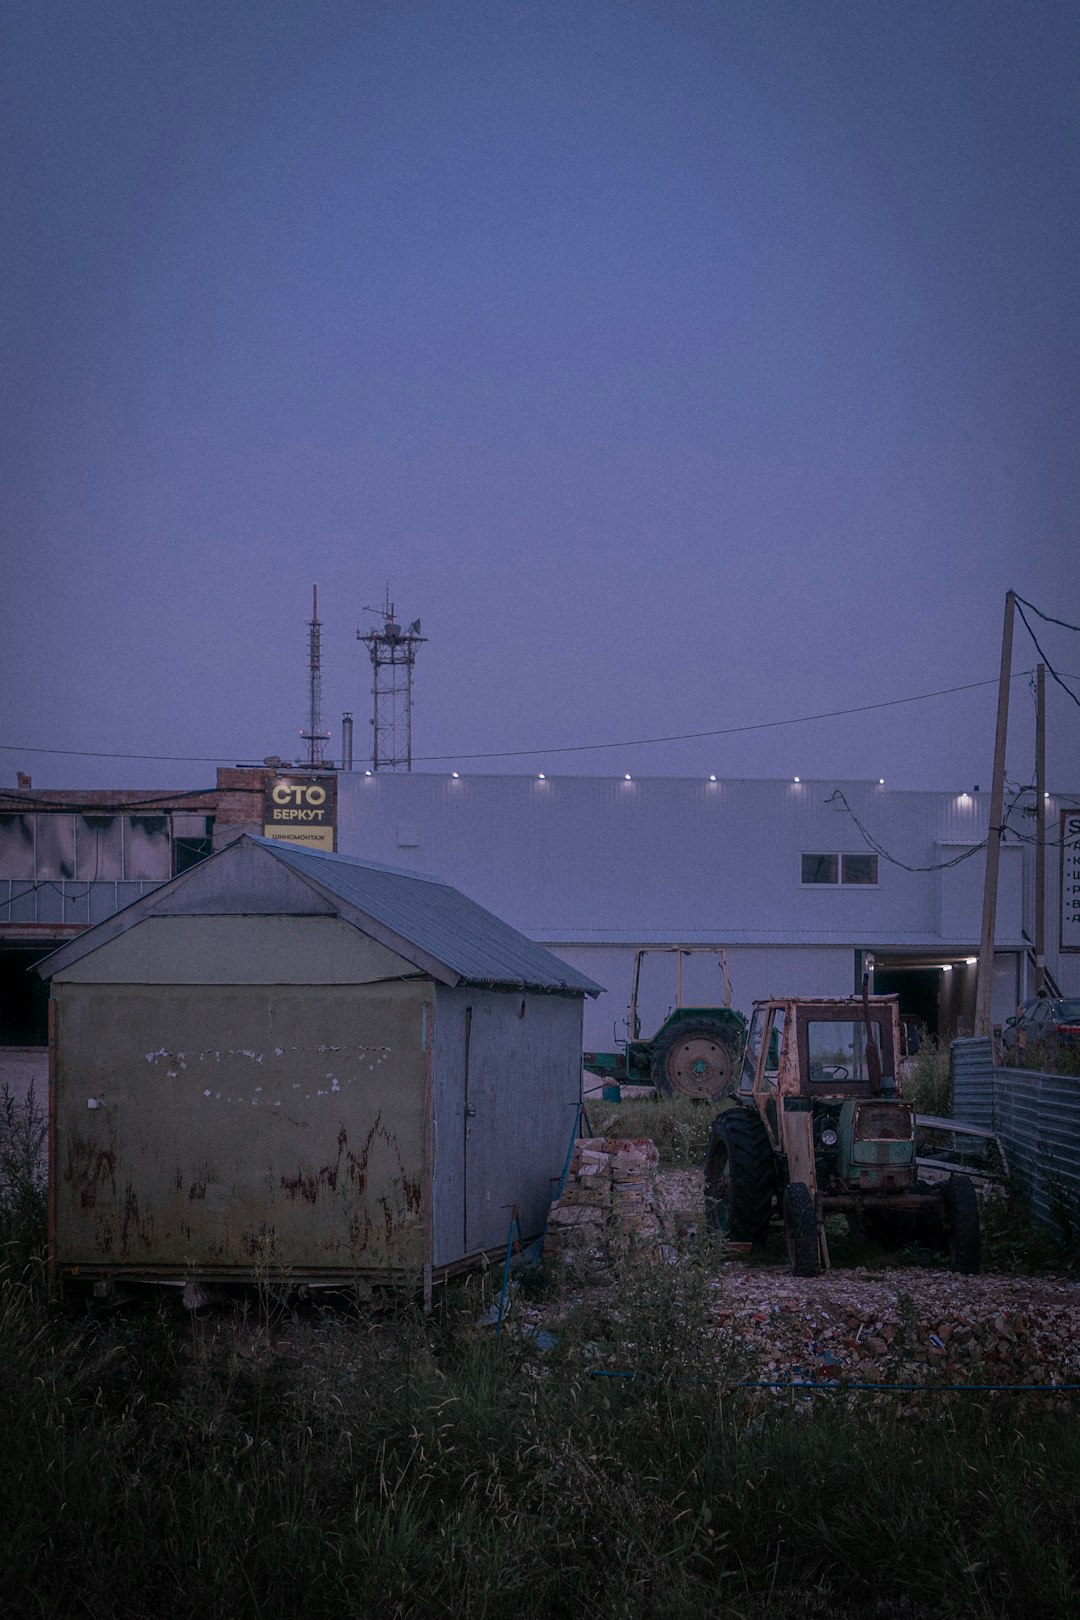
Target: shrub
<point>679,1127</point>
<point>23,1178</point>
<point>927,1082</point>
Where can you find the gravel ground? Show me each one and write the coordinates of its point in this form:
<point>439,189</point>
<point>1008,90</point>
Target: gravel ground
<point>904,1324</point>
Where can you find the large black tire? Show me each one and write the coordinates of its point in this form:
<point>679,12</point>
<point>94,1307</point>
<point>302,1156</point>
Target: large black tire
<point>963,1232</point>
<point>801,1230</point>
<point>740,1177</point>
<point>695,1059</point>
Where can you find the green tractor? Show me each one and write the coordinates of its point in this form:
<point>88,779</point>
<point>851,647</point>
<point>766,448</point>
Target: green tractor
<point>818,1126</point>
<point>694,1053</point>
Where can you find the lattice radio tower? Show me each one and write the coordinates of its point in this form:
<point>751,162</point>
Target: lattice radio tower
<point>393,652</point>
<point>315,736</point>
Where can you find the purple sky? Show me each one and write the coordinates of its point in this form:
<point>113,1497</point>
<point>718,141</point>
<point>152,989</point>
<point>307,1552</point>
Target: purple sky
<point>680,364</point>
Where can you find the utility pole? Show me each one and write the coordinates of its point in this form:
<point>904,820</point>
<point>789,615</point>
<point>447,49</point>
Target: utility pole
<point>1040,829</point>
<point>995,829</point>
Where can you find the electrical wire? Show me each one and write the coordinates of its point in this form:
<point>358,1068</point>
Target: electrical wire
<point>1066,689</point>
<point>1062,622</point>
<point>568,748</point>
<point>935,866</point>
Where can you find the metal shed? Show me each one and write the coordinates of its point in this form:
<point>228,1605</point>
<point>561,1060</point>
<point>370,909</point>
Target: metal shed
<point>307,1064</point>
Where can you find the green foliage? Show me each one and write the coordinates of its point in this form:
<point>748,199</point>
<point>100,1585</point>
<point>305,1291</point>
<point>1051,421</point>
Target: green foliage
<point>926,1081</point>
<point>405,1467</point>
<point>1013,1242</point>
<point>679,1126</point>
<point>1049,1057</point>
<point>23,1179</point>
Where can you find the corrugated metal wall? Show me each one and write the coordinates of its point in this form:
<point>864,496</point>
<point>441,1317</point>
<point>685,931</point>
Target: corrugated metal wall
<point>1037,1116</point>
<point>204,1129</point>
<point>507,1082</point>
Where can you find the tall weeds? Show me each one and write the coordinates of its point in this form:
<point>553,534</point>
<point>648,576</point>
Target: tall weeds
<point>409,1467</point>
<point>23,1178</point>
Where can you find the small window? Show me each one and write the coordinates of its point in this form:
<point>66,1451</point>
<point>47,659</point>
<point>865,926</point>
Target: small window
<point>859,868</point>
<point>820,869</point>
<point>192,840</point>
<point>774,1034</point>
<point>833,870</point>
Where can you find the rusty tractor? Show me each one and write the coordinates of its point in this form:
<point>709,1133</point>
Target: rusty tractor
<point>694,1052</point>
<point>818,1126</point>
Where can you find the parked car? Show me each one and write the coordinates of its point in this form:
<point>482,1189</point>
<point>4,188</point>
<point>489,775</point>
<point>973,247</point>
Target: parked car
<point>1043,1021</point>
<point>947,1147</point>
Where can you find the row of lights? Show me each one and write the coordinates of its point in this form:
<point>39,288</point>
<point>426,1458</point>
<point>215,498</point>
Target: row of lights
<point>969,961</point>
<point>540,777</point>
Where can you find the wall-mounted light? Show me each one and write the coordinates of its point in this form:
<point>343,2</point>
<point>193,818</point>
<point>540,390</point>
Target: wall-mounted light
<point>712,778</point>
<point>541,777</point>
<point>796,778</point>
<point>454,775</point>
<point>628,777</point>
<point>367,773</point>
<point>972,961</point>
<point>946,967</point>
<point>881,781</point>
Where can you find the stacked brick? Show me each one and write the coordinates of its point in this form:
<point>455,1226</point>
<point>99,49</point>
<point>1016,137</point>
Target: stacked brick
<point>609,1202</point>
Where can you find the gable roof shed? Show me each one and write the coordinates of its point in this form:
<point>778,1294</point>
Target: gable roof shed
<point>425,920</point>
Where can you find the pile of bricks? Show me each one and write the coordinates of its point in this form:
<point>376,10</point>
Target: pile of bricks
<point>609,1202</point>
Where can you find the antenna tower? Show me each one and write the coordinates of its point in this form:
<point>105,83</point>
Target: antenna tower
<point>315,736</point>
<point>393,652</point>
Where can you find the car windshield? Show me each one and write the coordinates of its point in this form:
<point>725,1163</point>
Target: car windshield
<point>1067,1012</point>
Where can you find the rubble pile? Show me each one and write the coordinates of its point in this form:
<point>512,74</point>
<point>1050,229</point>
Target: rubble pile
<point>904,1327</point>
<point>609,1201</point>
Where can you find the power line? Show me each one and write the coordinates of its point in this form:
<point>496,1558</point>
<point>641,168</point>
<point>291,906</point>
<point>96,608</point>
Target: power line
<point>566,748</point>
<point>1068,692</point>
<point>935,866</point>
<point>1062,622</point>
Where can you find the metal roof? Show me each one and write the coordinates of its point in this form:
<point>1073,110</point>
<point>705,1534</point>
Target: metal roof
<point>441,921</point>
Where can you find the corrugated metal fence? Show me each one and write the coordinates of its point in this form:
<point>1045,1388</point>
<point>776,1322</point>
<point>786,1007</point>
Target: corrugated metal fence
<point>1036,1115</point>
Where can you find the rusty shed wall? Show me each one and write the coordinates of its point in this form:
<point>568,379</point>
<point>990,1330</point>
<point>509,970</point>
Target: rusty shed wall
<point>506,1085</point>
<point>205,1128</point>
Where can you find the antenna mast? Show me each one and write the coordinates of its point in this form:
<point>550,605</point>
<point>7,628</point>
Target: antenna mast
<point>315,736</point>
<point>392,652</point>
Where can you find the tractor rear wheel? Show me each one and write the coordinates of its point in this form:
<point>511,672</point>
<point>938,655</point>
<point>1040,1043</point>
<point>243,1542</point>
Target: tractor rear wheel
<point>740,1180</point>
<point>694,1059</point>
<point>962,1231</point>
<point>801,1230</point>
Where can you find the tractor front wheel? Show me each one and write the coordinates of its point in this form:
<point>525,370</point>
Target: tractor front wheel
<point>694,1059</point>
<point>801,1230</point>
<point>740,1182</point>
<point>962,1230</point>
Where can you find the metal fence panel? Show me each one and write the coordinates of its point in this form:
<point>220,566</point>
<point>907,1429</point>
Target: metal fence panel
<point>1037,1116</point>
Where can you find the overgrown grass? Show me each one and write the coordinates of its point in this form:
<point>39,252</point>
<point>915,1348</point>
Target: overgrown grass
<point>927,1083</point>
<point>679,1126</point>
<point>23,1179</point>
<point>415,1468</point>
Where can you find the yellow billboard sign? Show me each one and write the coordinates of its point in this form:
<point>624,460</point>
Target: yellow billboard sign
<point>301,810</point>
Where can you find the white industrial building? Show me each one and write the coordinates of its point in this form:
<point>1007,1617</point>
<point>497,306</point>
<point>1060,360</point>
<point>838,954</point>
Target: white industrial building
<point>780,874</point>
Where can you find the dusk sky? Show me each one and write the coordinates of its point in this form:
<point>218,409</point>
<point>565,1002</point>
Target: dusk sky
<point>681,365</point>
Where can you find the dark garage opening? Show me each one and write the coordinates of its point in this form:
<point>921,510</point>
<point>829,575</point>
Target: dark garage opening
<point>24,997</point>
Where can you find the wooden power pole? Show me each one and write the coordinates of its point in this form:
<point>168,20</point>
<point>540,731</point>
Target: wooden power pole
<point>1040,829</point>
<point>995,829</point>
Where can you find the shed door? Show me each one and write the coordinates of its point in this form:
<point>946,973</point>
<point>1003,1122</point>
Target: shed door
<point>490,1064</point>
